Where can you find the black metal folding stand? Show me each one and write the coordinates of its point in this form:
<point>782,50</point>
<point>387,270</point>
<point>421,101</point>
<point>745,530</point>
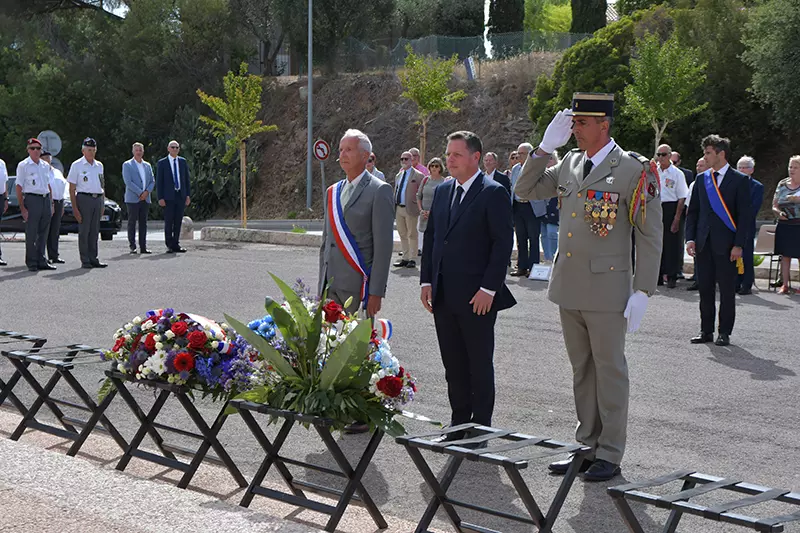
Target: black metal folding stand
<point>207,436</point>
<point>696,484</point>
<point>62,360</point>
<point>476,446</point>
<point>297,496</point>
<point>9,339</point>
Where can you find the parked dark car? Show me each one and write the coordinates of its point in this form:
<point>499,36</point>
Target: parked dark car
<point>110,222</point>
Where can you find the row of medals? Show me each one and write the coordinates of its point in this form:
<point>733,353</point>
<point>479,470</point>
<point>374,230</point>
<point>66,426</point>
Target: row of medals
<point>601,211</point>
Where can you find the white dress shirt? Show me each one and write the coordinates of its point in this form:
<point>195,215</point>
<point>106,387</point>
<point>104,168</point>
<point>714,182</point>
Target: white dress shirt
<point>58,185</point>
<point>3,177</point>
<point>140,168</point>
<point>599,157</point>
<point>33,178</point>
<point>466,185</point>
<point>722,172</point>
<point>673,184</point>
<point>87,177</point>
<point>175,167</point>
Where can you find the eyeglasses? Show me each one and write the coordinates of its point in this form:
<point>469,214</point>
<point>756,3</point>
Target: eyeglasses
<point>434,166</point>
<point>404,159</point>
<point>34,147</point>
<point>662,154</point>
<point>370,160</point>
<point>174,147</point>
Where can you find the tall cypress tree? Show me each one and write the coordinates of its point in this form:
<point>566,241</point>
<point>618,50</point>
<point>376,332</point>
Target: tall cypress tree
<point>506,16</point>
<point>588,15</point>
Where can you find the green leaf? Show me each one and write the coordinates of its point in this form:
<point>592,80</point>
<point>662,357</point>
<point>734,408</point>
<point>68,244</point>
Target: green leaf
<point>313,338</point>
<point>283,319</point>
<point>105,389</point>
<point>301,316</point>
<point>270,354</point>
<point>351,351</point>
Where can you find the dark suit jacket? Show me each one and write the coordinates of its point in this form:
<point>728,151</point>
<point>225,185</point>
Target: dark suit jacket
<point>165,186</point>
<point>756,199</point>
<point>688,174</point>
<point>472,249</point>
<point>704,226</point>
<point>502,179</point>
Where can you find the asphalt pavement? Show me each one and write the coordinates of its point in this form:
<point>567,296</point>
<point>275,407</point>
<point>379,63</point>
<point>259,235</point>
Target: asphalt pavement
<point>724,411</point>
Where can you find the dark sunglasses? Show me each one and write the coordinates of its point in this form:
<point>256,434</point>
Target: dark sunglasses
<point>661,154</point>
<point>434,166</point>
<point>370,160</point>
<point>34,147</point>
<point>404,159</point>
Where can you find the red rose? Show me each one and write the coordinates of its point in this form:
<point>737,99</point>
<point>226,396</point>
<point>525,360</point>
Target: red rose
<point>333,312</point>
<point>197,340</point>
<point>179,328</point>
<point>390,386</point>
<point>184,361</point>
<point>150,342</point>
<point>135,344</point>
<point>119,344</point>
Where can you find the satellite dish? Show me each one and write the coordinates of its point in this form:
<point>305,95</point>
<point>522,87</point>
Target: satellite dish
<point>50,142</point>
<point>55,162</point>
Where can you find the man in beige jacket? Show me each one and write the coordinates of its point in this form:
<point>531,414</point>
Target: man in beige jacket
<point>406,184</point>
<point>604,194</point>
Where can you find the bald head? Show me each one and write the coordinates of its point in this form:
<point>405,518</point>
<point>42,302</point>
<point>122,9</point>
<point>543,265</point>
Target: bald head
<point>702,166</point>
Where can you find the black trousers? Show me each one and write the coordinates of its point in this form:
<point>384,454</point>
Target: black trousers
<point>528,228</point>
<point>173,217</point>
<point>712,270</point>
<point>745,281</point>
<point>466,342</point>
<point>137,214</point>
<point>55,230</point>
<point>672,249</point>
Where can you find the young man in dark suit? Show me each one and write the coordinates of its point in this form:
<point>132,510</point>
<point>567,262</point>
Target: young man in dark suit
<point>465,251</point>
<point>717,229</point>
<point>174,191</point>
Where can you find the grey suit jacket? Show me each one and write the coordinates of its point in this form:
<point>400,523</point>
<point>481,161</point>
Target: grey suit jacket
<point>133,181</point>
<point>369,214</point>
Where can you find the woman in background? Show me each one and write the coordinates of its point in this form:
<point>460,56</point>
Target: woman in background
<point>786,204</point>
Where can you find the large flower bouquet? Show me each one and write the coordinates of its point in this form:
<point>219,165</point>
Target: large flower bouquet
<point>185,349</point>
<point>326,363</point>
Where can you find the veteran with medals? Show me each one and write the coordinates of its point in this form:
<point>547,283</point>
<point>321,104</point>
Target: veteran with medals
<point>604,194</point>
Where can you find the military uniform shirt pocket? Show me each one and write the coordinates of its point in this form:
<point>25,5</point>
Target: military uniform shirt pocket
<point>610,263</point>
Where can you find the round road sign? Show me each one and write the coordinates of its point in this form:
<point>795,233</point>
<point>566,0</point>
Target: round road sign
<point>50,141</point>
<point>322,150</point>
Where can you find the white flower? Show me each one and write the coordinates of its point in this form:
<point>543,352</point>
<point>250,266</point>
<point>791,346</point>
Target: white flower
<point>127,337</point>
<point>209,335</point>
<point>169,334</point>
<point>225,326</point>
<point>215,345</point>
<point>127,326</point>
<point>220,336</point>
<point>121,367</point>
<point>159,346</point>
<point>147,325</point>
<point>137,320</point>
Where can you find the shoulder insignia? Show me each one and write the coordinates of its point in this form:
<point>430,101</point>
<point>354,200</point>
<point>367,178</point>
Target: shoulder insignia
<point>575,150</point>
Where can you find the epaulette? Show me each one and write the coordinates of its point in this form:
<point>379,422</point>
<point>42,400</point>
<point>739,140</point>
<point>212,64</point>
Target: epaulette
<point>576,150</point>
<point>642,159</point>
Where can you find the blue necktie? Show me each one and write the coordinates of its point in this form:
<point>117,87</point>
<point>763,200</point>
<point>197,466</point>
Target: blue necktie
<point>175,174</point>
<point>401,190</point>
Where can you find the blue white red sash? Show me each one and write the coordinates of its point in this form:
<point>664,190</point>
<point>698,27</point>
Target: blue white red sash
<point>344,239</point>
<point>717,202</point>
<point>384,328</point>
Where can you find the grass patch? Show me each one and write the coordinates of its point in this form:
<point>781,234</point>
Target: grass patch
<point>298,229</point>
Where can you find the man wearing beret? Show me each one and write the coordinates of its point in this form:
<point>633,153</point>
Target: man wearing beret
<point>604,194</point>
<point>35,204</point>
<point>86,191</point>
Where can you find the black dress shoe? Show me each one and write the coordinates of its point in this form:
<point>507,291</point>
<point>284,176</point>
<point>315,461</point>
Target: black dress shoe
<point>133,251</point>
<point>411,264</point>
<point>86,265</point>
<point>180,250</point>
<point>560,467</point>
<point>46,267</point>
<point>170,251</point>
<point>400,263</point>
<point>693,287</point>
<point>702,338</point>
<point>723,339</point>
<point>601,471</point>
<point>356,427</point>
<point>57,261</point>
<point>2,263</point>
<point>671,284</point>
<point>33,269</point>
<point>99,265</point>
<point>146,251</point>
<point>744,292</point>
<point>519,273</point>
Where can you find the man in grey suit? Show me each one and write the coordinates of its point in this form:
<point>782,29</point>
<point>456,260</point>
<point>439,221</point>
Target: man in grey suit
<point>367,211</point>
<point>139,183</point>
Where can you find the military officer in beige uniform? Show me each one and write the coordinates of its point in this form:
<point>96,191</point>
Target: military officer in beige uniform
<point>604,193</point>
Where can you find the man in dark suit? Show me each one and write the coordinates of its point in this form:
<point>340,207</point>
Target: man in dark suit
<point>174,191</point>
<point>491,172</point>
<point>465,251</point>
<point>676,160</point>
<point>717,230</point>
<point>747,165</point>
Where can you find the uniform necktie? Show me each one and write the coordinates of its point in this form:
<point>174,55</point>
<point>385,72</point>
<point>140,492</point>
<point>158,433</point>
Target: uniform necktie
<point>399,198</point>
<point>587,168</point>
<point>175,174</point>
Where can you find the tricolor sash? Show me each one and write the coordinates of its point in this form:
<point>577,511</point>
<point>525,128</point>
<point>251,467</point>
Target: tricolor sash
<point>344,239</point>
<point>717,202</point>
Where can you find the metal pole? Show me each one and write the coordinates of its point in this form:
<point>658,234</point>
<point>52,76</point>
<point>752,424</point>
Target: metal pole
<point>310,103</point>
<point>322,171</point>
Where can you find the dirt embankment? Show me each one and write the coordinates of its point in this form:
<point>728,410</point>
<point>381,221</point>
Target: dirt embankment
<point>496,108</point>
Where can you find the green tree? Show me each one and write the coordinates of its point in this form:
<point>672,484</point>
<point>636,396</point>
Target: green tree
<point>458,18</point>
<point>506,16</point>
<point>773,56</point>
<point>666,77</point>
<point>238,121</point>
<point>588,15</point>
<point>425,82</point>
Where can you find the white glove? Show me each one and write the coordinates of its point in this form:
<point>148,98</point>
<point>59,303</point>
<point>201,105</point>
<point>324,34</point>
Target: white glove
<point>558,132</point>
<point>634,312</point>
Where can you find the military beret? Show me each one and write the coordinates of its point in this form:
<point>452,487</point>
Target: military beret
<point>34,140</point>
<point>88,141</point>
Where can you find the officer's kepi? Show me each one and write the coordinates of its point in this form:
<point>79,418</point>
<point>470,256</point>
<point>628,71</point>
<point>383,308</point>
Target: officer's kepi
<point>593,104</point>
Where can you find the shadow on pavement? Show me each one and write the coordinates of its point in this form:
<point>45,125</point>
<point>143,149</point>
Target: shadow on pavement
<point>75,272</point>
<point>740,359</point>
<point>597,512</point>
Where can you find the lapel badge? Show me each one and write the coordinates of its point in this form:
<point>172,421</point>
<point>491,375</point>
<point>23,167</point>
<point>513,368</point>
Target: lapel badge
<point>613,161</point>
<point>610,180</point>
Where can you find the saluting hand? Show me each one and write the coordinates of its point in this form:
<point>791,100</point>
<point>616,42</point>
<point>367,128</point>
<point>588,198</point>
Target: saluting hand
<point>558,132</point>
<point>481,302</point>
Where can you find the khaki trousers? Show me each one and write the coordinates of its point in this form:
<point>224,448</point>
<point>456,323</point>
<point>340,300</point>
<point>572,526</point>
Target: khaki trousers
<point>595,343</point>
<point>409,238</point>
